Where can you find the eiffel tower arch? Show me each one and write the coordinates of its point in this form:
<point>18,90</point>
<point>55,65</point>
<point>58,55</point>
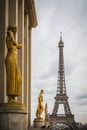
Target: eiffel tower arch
<point>61,94</point>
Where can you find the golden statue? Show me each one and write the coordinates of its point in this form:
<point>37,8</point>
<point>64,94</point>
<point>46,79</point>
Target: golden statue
<point>46,112</point>
<point>40,107</point>
<point>13,76</point>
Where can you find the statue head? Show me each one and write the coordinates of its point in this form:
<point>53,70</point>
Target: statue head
<point>12,28</point>
<point>42,91</point>
<point>46,104</point>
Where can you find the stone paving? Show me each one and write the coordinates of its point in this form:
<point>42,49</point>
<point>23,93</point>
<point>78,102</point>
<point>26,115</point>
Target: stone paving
<point>38,129</point>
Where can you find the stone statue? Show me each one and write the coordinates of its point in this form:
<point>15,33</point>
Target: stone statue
<point>40,107</point>
<point>13,76</point>
<point>46,112</point>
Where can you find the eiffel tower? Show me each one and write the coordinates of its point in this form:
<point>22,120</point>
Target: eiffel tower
<point>61,95</point>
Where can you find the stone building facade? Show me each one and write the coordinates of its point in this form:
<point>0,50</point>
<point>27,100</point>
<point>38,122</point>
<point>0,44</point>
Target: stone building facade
<point>21,13</point>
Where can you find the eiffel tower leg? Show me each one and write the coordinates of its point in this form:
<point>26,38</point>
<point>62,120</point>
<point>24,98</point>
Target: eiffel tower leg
<point>55,110</point>
<point>67,108</point>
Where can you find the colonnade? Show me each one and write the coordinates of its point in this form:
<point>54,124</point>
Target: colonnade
<point>21,13</point>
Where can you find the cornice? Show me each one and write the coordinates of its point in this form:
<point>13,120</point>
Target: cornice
<point>32,13</point>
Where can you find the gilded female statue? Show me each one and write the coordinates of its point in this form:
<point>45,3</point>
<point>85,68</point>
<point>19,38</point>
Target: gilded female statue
<point>46,112</point>
<point>13,76</point>
<point>40,107</point>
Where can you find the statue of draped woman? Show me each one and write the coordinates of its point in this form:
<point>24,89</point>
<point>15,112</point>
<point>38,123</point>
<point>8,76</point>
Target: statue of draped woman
<point>13,75</point>
<point>40,107</point>
<point>46,112</point>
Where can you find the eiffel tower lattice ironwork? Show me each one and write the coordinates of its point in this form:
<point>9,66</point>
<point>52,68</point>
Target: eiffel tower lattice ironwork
<point>61,95</point>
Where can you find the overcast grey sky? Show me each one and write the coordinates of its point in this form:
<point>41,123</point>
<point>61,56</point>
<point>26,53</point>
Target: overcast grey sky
<point>70,17</point>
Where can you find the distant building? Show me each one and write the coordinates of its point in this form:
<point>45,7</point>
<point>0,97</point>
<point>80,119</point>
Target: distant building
<point>79,124</point>
<point>21,13</point>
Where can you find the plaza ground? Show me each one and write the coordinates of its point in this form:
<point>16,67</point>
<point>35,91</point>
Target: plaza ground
<point>38,128</point>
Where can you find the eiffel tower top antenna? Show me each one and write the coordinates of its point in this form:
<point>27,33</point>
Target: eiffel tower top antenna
<point>60,36</point>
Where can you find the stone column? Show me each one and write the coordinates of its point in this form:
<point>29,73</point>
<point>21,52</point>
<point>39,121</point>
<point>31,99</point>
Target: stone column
<point>3,29</point>
<point>21,40</point>
<point>29,76</point>
<point>26,60</point>
<point>6,26</point>
<point>13,13</point>
<point>2,48</point>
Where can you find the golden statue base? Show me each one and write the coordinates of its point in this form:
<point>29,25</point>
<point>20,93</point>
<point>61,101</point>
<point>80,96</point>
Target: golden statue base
<point>39,123</point>
<point>47,124</point>
<point>12,106</point>
<point>13,115</point>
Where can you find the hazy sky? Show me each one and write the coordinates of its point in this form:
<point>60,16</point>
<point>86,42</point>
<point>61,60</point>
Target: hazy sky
<point>70,17</point>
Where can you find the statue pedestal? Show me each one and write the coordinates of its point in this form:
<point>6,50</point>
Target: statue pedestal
<point>47,124</point>
<point>13,116</point>
<point>39,123</point>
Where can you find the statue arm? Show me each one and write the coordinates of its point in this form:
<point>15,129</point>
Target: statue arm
<point>13,40</point>
<point>19,45</point>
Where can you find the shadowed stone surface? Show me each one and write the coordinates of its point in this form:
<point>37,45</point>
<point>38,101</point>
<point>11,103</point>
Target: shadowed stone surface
<point>39,123</point>
<point>13,119</point>
<point>38,128</point>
